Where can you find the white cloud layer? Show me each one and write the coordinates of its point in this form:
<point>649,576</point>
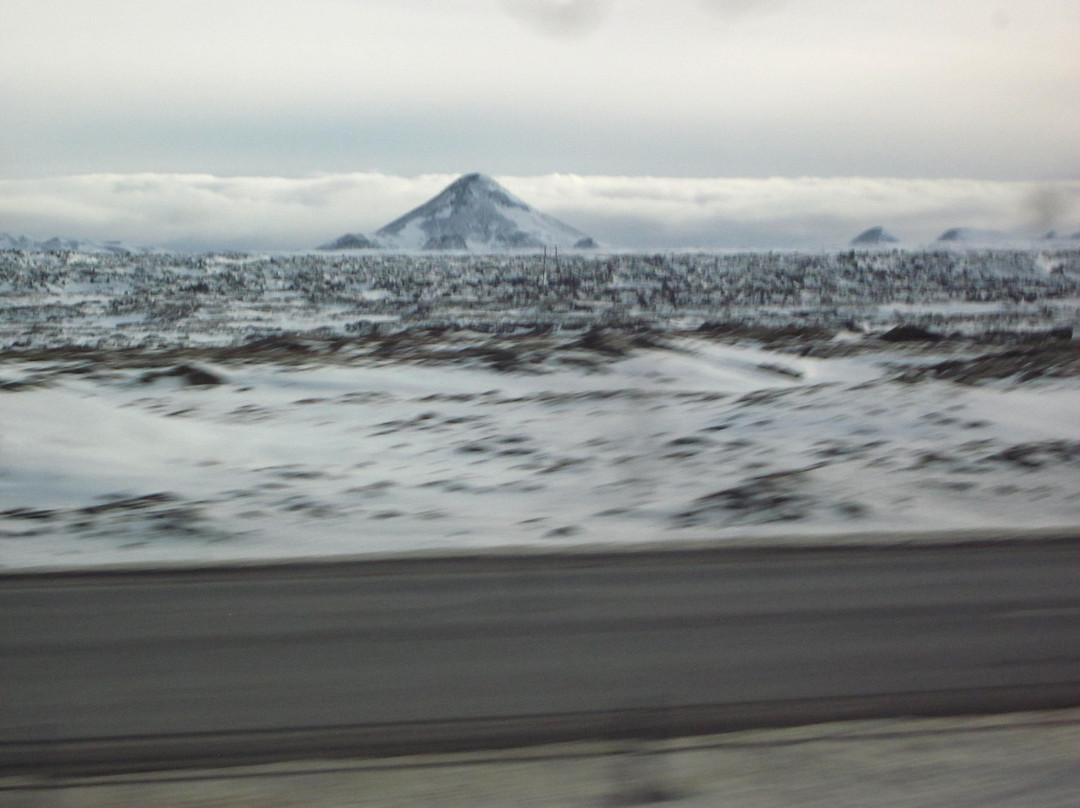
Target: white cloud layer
<point>201,211</point>
<point>560,18</point>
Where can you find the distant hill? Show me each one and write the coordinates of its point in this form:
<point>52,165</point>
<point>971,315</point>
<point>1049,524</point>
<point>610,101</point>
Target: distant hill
<point>972,234</point>
<point>875,235</point>
<point>56,244</point>
<point>351,241</point>
<point>474,213</point>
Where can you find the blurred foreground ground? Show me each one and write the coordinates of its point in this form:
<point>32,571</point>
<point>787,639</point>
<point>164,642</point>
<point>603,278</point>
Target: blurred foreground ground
<point>1024,760</point>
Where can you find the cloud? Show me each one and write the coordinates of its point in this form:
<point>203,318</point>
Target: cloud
<point>203,211</point>
<point>739,8</point>
<point>559,18</point>
<point>787,212</point>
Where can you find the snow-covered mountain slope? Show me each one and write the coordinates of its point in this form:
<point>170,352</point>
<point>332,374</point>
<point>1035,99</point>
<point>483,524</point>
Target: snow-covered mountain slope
<point>476,213</point>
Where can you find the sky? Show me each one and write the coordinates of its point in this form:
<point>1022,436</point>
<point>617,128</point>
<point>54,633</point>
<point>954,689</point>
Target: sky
<point>283,123</point>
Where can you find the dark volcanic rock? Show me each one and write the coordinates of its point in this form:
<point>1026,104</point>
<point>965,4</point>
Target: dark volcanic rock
<point>777,497</point>
<point>603,341</point>
<point>911,333</point>
<point>189,375</point>
<point>1054,359</point>
<point>1037,455</point>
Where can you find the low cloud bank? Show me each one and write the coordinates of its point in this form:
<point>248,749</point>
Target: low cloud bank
<point>199,211</point>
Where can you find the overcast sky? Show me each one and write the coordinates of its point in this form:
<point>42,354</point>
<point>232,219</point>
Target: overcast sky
<point>242,116</point>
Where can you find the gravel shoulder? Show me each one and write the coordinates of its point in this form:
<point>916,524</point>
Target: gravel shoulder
<point>1023,760</point>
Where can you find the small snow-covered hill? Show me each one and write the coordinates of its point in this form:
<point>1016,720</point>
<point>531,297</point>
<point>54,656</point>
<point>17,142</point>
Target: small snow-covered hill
<point>875,235</point>
<point>351,241</point>
<point>476,213</point>
<point>973,235</point>
<point>13,242</point>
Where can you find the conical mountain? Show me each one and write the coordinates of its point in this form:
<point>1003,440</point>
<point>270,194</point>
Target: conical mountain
<point>476,213</point>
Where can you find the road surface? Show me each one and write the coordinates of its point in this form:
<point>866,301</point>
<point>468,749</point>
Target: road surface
<point>185,667</point>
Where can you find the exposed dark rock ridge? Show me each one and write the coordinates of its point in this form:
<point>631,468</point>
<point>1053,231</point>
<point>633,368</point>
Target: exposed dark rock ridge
<point>188,375</point>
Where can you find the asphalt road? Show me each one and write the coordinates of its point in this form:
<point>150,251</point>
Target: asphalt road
<point>186,667</point>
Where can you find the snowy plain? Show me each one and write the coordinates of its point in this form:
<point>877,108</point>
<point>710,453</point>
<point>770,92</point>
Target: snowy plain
<point>197,408</point>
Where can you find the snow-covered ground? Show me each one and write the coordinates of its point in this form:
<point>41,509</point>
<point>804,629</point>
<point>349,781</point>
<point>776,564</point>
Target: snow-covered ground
<point>161,408</point>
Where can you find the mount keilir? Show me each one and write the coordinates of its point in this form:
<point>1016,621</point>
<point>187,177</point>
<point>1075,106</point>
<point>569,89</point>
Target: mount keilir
<point>472,213</point>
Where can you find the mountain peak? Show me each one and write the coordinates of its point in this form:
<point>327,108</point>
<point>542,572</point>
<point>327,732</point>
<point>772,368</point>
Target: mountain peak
<point>478,187</point>
<point>475,212</point>
<point>475,178</point>
<point>478,181</point>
